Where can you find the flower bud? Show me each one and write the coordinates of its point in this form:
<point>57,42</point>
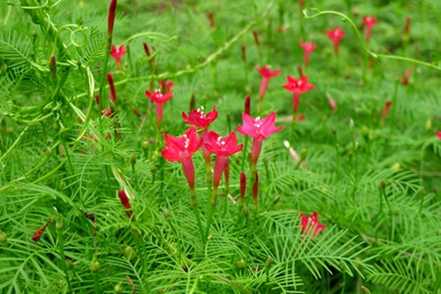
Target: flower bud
<point>94,265</point>
<point>111,17</point>
<point>241,263</point>
<point>3,237</point>
<point>118,288</point>
<point>111,87</point>
<point>129,252</point>
<point>256,188</point>
<point>243,185</point>
<point>247,105</point>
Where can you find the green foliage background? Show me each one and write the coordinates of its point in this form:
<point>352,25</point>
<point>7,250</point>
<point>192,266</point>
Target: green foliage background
<point>375,186</point>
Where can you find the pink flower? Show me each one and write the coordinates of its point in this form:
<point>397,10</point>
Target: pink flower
<point>124,199</point>
<point>369,22</point>
<point>336,35</point>
<point>267,74</point>
<point>118,53</point>
<point>199,119</point>
<point>259,129</point>
<point>181,149</point>
<point>308,222</point>
<point>223,147</point>
<point>297,87</point>
<point>438,135</point>
<point>308,48</point>
<point>159,99</point>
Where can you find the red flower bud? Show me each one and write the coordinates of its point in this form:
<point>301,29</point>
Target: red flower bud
<point>125,202</point>
<point>111,87</point>
<point>247,105</point>
<point>405,78</point>
<point>39,232</point>
<point>243,50</point>
<point>256,188</point>
<point>386,109</point>
<point>407,26</point>
<point>211,20</point>
<point>111,16</point>
<point>256,38</point>
<point>147,50</point>
<point>243,184</point>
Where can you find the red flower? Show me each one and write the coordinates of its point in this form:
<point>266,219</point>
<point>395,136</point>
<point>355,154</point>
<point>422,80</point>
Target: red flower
<point>199,119</point>
<point>223,147</point>
<point>159,99</point>
<point>308,48</point>
<point>39,232</point>
<point>297,87</point>
<point>118,53</point>
<point>111,17</point>
<point>181,149</point>
<point>111,88</point>
<point>308,222</point>
<point>125,202</point>
<point>336,35</point>
<point>369,22</point>
<point>267,74</point>
<point>259,129</point>
<point>438,135</point>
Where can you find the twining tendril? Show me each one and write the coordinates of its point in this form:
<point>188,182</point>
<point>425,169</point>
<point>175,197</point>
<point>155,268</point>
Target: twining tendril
<point>314,12</point>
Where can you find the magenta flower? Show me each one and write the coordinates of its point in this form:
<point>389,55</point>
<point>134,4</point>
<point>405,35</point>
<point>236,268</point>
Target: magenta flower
<point>181,149</point>
<point>438,135</point>
<point>118,53</point>
<point>259,129</point>
<point>369,22</point>
<point>159,99</point>
<point>199,119</point>
<point>267,74</point>
<point>308,48</point>
<point>223,147</point>
<point>297,87</point>
<point>311,222</point>
<point>336,35</point>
